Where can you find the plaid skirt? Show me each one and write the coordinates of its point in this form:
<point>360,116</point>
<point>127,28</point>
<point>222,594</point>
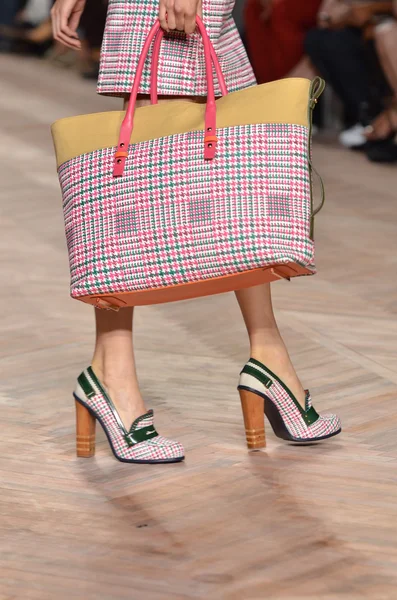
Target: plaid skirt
<point>181,63</point>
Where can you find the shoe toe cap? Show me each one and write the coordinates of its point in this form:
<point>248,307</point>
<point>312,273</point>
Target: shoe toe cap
<point>324,427</point>
<point>168,448</point>
<point>332,422</point>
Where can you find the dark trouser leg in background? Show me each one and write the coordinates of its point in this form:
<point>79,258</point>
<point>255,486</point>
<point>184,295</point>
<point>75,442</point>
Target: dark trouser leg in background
<point>340,58</point>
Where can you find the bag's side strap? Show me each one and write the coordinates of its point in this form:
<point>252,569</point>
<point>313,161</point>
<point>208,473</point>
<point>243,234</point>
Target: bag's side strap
<point>210,139</point>
<point>155,65</point>
<point>316,89</point>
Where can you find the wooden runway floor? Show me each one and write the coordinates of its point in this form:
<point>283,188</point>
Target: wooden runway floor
<point>286,523</point>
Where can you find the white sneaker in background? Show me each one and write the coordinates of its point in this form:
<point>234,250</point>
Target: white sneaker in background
<point>353,137</point>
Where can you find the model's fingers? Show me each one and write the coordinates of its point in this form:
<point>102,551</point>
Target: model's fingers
<point>190,22</point>
<point>190,18</point>
<point>171,20</point>
<point>179,17</point>
<point>74,21</point>
<point>53,24</point>
<point>163,16</point>
<point>70,33</point>
<point>62,32</point>
<point>171,15</point>
<point>65,38</point>
<point>68,41</point>
<point>64,25</point>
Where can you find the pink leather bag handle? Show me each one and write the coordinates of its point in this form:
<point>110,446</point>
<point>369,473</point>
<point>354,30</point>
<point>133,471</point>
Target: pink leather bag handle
<point>210,139</point>
<point>155,64</point>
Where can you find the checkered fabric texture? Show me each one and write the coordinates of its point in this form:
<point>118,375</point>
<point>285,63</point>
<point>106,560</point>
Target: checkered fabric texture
<point>289,412</point>
<point>157,448</point>
<point>175,218</point>
<point>181,62</point>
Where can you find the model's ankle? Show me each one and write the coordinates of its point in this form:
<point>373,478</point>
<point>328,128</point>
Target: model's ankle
<point>274,354</point>
<point>112,371</point>
<point>122,387</point>
<point>119,380</point>
<point>97,367</point>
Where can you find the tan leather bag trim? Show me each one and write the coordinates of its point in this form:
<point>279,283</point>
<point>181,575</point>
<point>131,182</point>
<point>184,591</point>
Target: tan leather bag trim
<point>283,101</point>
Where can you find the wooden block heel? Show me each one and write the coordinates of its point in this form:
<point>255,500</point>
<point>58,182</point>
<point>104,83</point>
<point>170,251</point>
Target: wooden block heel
<point>254,419</point>
<point>262,391</point>
<point>85,431</point>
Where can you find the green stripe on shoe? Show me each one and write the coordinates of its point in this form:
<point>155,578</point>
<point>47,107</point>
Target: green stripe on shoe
<point>310,416</point>
<point>140,435</point>
<point>85,385</point>
<point>267,382</point>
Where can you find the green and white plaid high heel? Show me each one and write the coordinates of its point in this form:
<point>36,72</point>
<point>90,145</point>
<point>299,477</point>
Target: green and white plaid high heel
<point>139,444</point>
<point>263,393</point>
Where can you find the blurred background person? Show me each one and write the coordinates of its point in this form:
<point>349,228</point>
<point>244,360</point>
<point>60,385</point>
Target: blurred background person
<point>342,49</point>
<point>350,43</point>
<point>275,31</point>
<point>385,125</point>
<point>8,12</point>
<point>25,28</point>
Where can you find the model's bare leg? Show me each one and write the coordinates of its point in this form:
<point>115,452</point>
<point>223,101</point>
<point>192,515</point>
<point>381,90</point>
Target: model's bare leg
<point>266,343</point>
<point>114,362</point>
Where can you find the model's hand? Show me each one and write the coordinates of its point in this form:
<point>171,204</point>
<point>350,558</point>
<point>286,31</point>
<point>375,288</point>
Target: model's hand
<point>65,15</point>
<point>179,14</point>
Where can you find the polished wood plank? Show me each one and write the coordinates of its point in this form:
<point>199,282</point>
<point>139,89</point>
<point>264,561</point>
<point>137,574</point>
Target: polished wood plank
<point>283,523</point>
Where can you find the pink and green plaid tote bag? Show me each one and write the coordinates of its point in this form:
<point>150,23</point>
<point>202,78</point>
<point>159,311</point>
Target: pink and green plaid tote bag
<point>182,199</point>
